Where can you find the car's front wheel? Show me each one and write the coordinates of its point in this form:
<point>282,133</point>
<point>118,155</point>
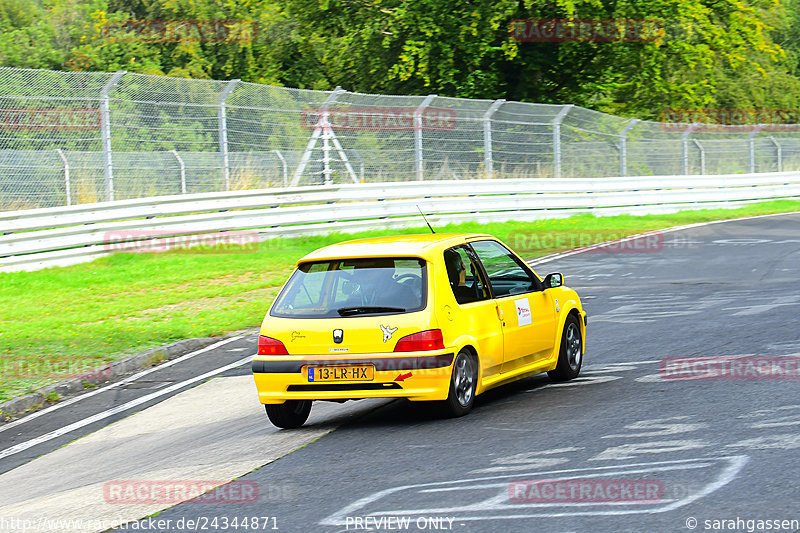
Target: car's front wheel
<point>290,414</point>
<point>570,356</point>
<point>463,383</point>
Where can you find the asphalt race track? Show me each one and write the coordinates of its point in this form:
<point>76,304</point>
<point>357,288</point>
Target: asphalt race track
<point>641,441</point>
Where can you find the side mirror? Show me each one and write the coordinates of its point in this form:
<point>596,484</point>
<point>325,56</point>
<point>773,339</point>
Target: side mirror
<point>553,280</point>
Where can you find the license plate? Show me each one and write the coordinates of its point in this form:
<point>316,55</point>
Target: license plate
<point>340,373</point>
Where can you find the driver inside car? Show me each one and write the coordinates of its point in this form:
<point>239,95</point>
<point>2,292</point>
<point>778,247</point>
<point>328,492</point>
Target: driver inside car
<point>457,275</point>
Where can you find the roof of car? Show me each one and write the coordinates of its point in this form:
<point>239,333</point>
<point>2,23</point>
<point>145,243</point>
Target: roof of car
<point>420,245</point>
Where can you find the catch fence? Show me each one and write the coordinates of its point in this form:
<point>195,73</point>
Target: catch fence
<point>78,137</point>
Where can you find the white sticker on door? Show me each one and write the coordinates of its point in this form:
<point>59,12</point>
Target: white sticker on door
<point>524,315</point>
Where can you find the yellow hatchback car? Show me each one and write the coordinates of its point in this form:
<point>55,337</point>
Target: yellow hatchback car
<point>435,317</point>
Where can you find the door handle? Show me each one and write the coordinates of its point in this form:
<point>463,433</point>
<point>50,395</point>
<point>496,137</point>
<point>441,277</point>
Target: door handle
<point>500,315</point>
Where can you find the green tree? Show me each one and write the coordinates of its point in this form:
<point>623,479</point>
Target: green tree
<point>713,53</point>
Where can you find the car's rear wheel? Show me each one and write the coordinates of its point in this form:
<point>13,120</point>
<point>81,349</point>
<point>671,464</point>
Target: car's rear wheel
<point>290,414</point>
<point>570,356</point>
<point>463,382</point>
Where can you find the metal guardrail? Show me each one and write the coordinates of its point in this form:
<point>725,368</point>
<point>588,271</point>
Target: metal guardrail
<point>39,238</point>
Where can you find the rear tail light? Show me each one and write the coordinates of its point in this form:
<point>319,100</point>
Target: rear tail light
<point>270,346</point>
<point>422,341</point>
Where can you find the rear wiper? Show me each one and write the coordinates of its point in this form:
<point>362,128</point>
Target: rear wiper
<point>347,311</point>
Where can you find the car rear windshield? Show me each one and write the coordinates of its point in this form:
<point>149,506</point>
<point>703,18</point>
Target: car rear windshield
<point>354,287</point>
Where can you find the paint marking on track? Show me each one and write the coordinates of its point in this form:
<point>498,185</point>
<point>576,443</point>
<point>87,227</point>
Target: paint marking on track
<point>493,508</point>
<point>125,381</point>
<point>118,409</point>
<point>560,255</point>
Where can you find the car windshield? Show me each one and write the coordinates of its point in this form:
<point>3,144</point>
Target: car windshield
<point>353,287</point>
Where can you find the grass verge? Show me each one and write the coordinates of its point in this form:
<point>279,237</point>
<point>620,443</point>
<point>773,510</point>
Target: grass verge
<point>59,322</point>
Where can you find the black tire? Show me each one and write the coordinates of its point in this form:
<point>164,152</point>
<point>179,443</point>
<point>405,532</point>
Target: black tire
<point>570,356</point>
<point>290,414</point>
<point>463,382</point>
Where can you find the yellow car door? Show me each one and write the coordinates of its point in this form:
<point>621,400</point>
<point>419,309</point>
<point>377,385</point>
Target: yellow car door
<point>527,312</point>
<point>474,311</point>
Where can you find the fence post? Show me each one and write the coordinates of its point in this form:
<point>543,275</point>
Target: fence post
<point>623,146</point>
<point>285,167</point>
<point>326,151</point>
<point>182,170</point>
<point>557,139</point>
<point>222,123</point>
<point>105,132</point>
<point>488,163</point>
<point>751,148</point>
<point>66,176</point>
<point>702,156</point>
<point>360,165</point>
<point>778,152</point>
<point>418,134</point>
<point>685,147</point>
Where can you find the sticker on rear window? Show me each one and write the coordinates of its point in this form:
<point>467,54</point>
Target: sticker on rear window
<point>524,315</point>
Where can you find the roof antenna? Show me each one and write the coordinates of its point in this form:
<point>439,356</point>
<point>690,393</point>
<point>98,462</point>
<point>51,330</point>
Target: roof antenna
<point>426,219</point>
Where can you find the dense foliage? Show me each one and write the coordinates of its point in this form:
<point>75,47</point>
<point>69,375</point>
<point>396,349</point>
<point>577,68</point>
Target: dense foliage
<point>708,54</point>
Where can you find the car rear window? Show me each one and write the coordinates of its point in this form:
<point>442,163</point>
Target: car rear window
<point>353,287</point>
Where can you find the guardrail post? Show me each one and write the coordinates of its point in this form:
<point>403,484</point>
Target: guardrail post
<point>685,147</point>
<point>557,139</point>
<point>285,167</point>
<point>778,152</point>
<point>105,132</point>
<point>222,123</point>
<point>751,148</point>
<point>418,135</point>
<point>488,163</point>
<point>67,191</point>
<point>702,156</point>
<point>182,170</point>
<point>623,146</point>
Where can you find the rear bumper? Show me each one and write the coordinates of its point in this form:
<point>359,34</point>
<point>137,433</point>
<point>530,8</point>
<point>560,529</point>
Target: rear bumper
<point>416,377</point>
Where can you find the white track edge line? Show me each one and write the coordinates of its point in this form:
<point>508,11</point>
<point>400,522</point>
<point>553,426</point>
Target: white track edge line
<point>17,448</point>
<point>129,379</point>
<point>559,255</point>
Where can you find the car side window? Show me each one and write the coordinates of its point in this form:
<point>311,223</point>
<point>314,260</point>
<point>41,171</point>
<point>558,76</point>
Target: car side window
<point>309,293</point>
<point>464,275</point>
<point>507,274</point>
<point>343,286</point>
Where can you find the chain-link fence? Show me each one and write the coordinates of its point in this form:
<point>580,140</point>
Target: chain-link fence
<point>78,137</point>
